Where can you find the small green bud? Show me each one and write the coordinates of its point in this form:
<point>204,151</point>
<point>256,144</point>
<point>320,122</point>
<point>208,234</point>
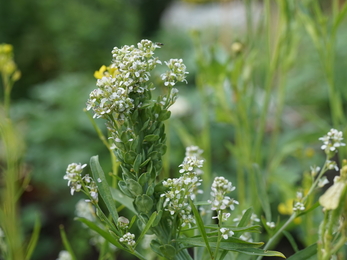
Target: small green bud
<point>123,222</point>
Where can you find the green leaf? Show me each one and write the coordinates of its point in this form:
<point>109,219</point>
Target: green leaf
<point>305,253</point>
<point>244,220</point>
<point>134,187</point>
<point>101,232</point>
<point>200,225</point>
<point>137,163</point>
<point>123,187</point>
<point>143,203</point>
<point>33,240</point>
<point>262,193</point>
<point>229,244</point>
<point>260,252</point>
<point>103,187</point>
<point>339,18</point>
<point>66,242</point>
<point>147,227</point>
<point>254,228</point>
<point>124,200</point>
<point>164,115</point>
<point>168,251</point>
<point>291,240</point>
<point>151,138</point>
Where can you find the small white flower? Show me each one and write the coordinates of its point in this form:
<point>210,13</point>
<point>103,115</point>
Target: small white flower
<point>323,181</point>
<point>332,165</point>
<point>271,224</point>
<point>64,255</point>
<point>128,238</point>
<point>226,233</point>
<point>219,201</point>
<point>331,141</point>
<point>298,206</point>
<point>314,170</point>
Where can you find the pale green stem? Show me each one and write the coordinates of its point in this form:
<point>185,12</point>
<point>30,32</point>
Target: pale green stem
<point>278,232</point>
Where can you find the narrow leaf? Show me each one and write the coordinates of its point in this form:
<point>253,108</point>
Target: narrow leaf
<point>103,187</point>
<point>147,227</point>
<point>262,193</point>
<point>201,227</point>
<point>244,220</point>
<point>66,242</point>
<point>34,238</point>
<point>305,253</point>
<point>230,244</point>
<point>339,18</point>
<point>291,240</point>
<point>260,252</point>
<point>124,200</point>
<point>101,232</point>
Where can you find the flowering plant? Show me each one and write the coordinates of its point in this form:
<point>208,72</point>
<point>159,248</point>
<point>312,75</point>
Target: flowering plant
<point>167,208</point>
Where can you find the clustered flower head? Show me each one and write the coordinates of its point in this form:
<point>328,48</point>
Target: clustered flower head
<point>128,78</point>
<point>76,182</point>
<point>177,72</point>
<point>181,189</point>
<point>73,175</point>
<point>128,239</point>
<point>220,187</point>
<point>226,233</point>
<point>298,206</point>
<point>331,141</point>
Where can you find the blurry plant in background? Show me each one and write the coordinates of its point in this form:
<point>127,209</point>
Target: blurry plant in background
<point>14,178</point>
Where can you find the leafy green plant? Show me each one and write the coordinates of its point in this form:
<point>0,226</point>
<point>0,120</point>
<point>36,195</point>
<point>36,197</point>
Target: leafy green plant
<point>166,208</point>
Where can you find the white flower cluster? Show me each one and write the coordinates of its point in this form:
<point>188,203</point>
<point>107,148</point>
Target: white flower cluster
<point>64,255</point>
<point>226,233</point>
<point>182,189</point>
<point>128,238</point>
<point>332,140</point>
<point>92,188</point>
<point>219,202</point>
<point>177,72</point>
<point>76,181</point>
<point>298,206</point>
<point>128,77</point>
<point>73,175</point>
<point>130,70</point>
<point>271,224</point>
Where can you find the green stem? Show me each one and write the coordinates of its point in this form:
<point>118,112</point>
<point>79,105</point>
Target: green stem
<point>278,232</point>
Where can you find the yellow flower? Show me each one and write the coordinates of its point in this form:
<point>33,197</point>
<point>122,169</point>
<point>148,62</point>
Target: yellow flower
<point>100,73</point>
<point>105,71</point>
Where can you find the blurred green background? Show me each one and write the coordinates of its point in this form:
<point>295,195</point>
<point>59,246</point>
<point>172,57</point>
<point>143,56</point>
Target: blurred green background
<point>58,46</point>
